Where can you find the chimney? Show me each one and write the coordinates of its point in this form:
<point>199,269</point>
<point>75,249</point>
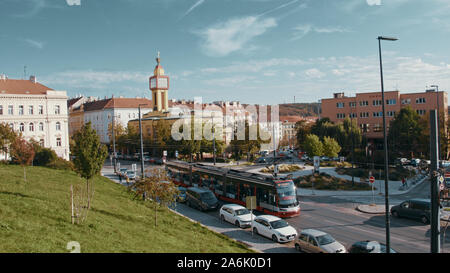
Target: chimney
<point>33,79</point>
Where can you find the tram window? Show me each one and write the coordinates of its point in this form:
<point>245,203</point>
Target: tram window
<point>231,190</point>
<point>244,191</point>
<point>218,185</point>
<point>262,195</point>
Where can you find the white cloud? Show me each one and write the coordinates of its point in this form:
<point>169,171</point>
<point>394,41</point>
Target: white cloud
<point>34,43</point>
<point>314,73</point>
<point>198,3</point>
<point>234,35</point>
<point>73,2</point>
<point>301,31</point>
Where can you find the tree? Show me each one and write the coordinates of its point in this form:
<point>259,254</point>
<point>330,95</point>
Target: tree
<point>90,155</point>
<point>22,152</point>
<point>158,188</point>
<point>303,129</point>
<point>313,146</point>
<point>249,146</point>
<point>408,134</point>
<point>330,147</point>
<point>7,136</point>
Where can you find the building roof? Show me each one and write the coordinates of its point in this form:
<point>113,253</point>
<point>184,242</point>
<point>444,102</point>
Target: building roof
<point>293,119</point>
<point>112,103</point>
<point>72,101</point>
<point>22,87</point>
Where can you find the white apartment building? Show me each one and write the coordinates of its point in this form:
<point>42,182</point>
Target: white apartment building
<point>101,112</point>
<point>37,112</point>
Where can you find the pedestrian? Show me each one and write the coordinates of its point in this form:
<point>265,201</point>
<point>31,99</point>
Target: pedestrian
<point>120,179</point>
<point>406,182</point>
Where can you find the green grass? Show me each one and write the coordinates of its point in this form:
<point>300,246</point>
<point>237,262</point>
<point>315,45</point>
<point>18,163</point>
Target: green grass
<point>35,217</point>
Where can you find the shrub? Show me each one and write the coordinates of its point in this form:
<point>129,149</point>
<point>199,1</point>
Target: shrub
<point>44,157</point>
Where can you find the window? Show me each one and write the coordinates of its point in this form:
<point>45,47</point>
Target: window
<point>363,103</point>
<point>376,128</point>
<point>58,126</point>
<point>406,101</point>
<point>340,115</point>
<point>377,102</point>
<point>10,110</point>
<point>31,127</point>
<point>20,109</point>
<point>340,105</point>
<point>390,113</point>
<point>41,142</point>
<point>1,109</point>
<point>41,126</point>
<point>352,104</point>
<point>377,114</point>
<point>421,112</point>
<point>30,110</point>
<point>391,102</point>
<point>364,114</point>
<point>57,110</point>
<point>421,100</point>
<point>365,127</point>
<point>353,115</point>
<point>58,142</point>
<point>11,125</point>
<point>41,110</point>
<point>22,127</point>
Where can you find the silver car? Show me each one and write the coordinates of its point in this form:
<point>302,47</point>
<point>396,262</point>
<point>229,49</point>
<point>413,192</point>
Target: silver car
<point>316,241</point>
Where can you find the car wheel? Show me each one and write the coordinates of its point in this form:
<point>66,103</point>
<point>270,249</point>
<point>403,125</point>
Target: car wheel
<point>255,231</point>
<point>222,218</point>
<point>237,223</point>
<point>424,219</point>
<point>298,248</point>
<point>274,238</point>
<point>395,213</point>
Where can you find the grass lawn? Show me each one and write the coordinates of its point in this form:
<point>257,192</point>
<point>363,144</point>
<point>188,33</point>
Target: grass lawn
<point>331,183</point>
<point>35,217</point>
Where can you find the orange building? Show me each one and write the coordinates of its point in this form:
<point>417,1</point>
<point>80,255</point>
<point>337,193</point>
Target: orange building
<point>367,109</point>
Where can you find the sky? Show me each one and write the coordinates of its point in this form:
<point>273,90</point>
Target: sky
<point>252,51</point>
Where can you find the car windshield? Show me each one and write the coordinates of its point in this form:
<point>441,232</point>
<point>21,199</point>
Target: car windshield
<point>325,239</point>
<point>242,212</point>
<point>130,172</point>
<point>208,195</point>
<point>279,224</point>
<point>382,249</point>
<point>286,193</point>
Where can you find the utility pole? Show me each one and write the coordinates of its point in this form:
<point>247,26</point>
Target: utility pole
<point>435,214</point>
<point>142,143</point>
<point>114,143</point>
<point>438,117</point>
<point>214,138</point>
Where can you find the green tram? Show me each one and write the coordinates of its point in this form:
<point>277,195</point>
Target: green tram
<point>275,196</point>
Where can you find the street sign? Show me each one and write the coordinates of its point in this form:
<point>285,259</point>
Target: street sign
<point>164,153</point>
<point>371,179</point>
<point>441,179</point>
<point>250,202</point>
<point>316,164</point>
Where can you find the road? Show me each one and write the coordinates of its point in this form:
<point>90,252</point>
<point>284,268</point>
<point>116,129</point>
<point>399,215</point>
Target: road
<point>335,215</point>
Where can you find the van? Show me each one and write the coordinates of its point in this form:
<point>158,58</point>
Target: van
<point>414,209</point>
<point>201,199</point>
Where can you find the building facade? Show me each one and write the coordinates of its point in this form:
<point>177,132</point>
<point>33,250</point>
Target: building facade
<point>37,112</point>
<point>366,108</point>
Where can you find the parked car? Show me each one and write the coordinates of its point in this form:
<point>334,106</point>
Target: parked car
<point>201,199</point>
<point>261,160</point>
<point>236,214</point>
<point>182,195</point>
<point>123,171</point>
<point>415,162</point>
<point>131,175</point>
<point>316,241</point>
<point>369,247</point>
<point>273,227</point>
<point>414,209</point>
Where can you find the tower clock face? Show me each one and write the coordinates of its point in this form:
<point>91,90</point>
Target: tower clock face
<point>153,83</point>
<point>162,82</point>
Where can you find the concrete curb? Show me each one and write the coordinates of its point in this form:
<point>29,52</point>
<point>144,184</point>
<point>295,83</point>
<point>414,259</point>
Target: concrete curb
<point>372,209</point>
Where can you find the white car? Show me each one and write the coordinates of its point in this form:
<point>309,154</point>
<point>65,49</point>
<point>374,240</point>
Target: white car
<point>236,214</point>
<point>275,228</point>
<point>316,241</point>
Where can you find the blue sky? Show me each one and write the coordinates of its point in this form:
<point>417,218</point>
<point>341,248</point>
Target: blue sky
<point>254,51</point>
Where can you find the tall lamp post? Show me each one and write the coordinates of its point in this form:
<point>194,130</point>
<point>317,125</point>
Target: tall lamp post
<point>214,137</point>
<point>114,143</point>
<point>142,144</point>
<point>438,118</point>
<point>386,168</point>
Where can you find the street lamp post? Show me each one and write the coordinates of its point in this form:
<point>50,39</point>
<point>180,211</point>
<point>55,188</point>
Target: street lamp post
<point>142,144</point>
<point>438,118</point>
<point>386,168</point>
<point>114,143</point>
<point>214,138</point>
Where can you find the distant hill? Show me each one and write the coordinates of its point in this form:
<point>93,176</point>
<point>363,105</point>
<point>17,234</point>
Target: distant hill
<point>300,109</point>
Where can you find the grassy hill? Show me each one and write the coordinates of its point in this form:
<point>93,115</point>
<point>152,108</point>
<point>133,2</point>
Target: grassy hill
<point>299,109</point>
<point>36,217</point>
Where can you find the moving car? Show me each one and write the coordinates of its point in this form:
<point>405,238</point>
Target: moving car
<point>414,209</point>
<point>201,199</point>
<point>236,214</point>
<point>273,227</point>
<point>369,247</point>
<point>316,241</point>
<point>131,175</point>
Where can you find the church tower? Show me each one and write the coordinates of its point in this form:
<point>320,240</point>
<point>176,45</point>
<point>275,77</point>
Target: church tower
<point>159,85</point>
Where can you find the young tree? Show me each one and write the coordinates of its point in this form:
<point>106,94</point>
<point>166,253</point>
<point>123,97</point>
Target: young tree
<point>90,155</point>
<point>22,152</point>
<point>156,187</point>
<point>330,147</point>
<point>303,129</point>
<point>7,136</point>
<point>313,146</point>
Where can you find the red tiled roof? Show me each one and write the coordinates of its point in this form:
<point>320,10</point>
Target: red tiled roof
<point>22,87</point>
<point>117,103</point>
<point>291,118</point>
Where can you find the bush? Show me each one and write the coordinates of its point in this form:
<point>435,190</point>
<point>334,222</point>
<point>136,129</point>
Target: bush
<point>44,157</point>
<point>283,168</point>
<point>61,164</point>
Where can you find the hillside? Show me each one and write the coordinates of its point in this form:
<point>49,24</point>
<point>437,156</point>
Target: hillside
<point>35,217</point>
<point>299,109</point>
